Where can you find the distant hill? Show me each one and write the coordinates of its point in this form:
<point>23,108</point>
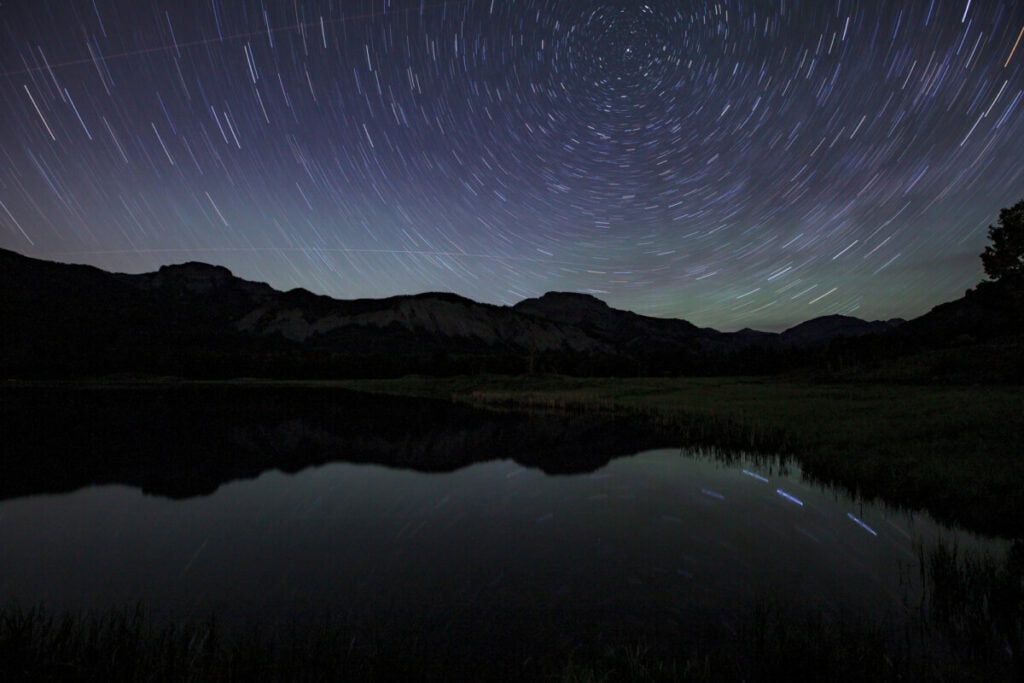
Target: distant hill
<point>822,330</point>
<point>978,338</point>
<point>200,320</point>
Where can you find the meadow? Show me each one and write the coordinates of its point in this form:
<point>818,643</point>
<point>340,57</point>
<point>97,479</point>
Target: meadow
<point>954,450</point>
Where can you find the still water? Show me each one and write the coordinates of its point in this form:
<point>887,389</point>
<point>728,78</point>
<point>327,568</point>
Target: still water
<point>656,545</point>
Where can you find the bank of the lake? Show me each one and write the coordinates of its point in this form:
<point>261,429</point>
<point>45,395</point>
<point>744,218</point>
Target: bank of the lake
<point>953,450</point>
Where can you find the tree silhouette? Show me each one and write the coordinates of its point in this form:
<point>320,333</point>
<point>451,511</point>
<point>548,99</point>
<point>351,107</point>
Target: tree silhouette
<point>1004,259</point>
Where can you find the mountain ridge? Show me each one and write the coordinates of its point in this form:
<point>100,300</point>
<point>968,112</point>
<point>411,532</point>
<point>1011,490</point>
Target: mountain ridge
<point>192,316</point>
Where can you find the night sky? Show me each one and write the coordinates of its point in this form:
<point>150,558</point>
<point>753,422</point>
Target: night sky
<point>732,163</point>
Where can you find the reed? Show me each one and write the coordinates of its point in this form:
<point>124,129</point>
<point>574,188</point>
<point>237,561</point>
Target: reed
<point>966,625</point>
<point>953,450</point>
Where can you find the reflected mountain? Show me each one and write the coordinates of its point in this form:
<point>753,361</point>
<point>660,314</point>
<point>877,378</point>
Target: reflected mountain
<point>181,441</point>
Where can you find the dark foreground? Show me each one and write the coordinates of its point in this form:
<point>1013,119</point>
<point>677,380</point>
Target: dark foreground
<point>968,628</point>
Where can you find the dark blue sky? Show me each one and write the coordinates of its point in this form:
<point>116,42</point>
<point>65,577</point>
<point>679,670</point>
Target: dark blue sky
<point>732,163</point>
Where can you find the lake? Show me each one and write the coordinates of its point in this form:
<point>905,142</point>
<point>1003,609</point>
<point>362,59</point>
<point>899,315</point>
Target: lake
<point>663,545</point>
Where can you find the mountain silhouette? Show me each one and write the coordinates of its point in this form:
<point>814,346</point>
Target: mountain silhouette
<point>200,320</point>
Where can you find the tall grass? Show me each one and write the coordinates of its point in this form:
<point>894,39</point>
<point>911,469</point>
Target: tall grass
<point>975,604</point>
<point>965,624</point>
<point>123,644</point>
<point>953,450</point>
<point>728,436</point>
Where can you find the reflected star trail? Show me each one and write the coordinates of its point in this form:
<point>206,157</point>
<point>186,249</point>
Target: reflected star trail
<point>732,163</point>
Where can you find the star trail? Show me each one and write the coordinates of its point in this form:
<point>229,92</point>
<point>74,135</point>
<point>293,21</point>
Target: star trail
<point>734,163</point>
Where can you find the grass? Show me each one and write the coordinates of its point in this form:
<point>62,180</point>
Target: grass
<point>122,645</point>
<point>966,624</point>
<point>954,450</point>
<point>976,601</point>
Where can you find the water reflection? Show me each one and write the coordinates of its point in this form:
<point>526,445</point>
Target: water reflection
<point>653,543</point>
<point>668,546</point>
<point>182,441</point>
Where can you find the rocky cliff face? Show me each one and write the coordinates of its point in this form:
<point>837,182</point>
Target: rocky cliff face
<point>439,316</point>
<point>619,329</point>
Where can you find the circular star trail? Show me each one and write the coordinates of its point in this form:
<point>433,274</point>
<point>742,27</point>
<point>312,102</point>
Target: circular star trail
<point>733,163</point>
